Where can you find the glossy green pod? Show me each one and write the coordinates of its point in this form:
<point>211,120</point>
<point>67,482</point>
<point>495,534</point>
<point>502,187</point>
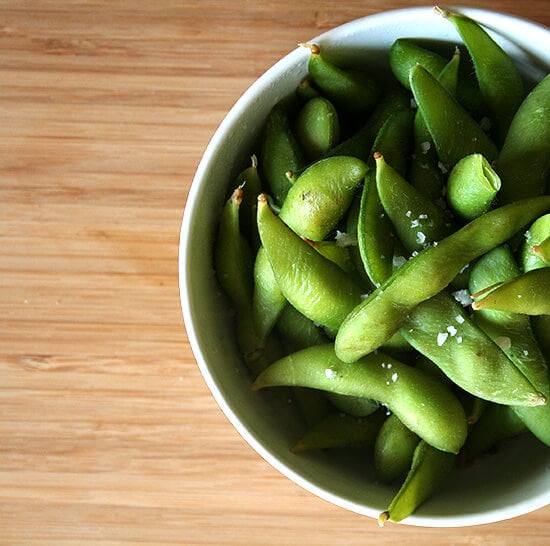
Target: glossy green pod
<point>232,255</point>
<point>472,187</point>
<point>440,330</point>
<point>425,172</point>
<point>375,233</point>
<point>268,301</point>
<point>378,317</point>
<point>279,153</point>
<point>351,90</point>
<point>524,160</point>
<point>511,331</point>
<point>393,450</point>
<point>454,131</point>
<point>315,286</point>
<point>297,331</point>
<point>338,430</point>
<point>429,468</point>
<point>528,294</point>
<point>321,196</point>
<point>500,81</point>
<point>406,53</point>
<point>317,128</point>
<point>421,402</point>
<point>417,221</point>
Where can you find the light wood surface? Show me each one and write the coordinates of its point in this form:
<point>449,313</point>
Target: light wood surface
<point>108,433</point>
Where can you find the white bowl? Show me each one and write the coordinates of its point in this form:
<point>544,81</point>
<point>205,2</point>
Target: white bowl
<point>514,482</point>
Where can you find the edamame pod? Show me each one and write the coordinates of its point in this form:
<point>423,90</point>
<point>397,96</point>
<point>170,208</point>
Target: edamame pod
<point>375,233</point>
<point>472,187</point>
<point>350,90</point>
<point>380,315</point>
<point>429,468</point>
<point>279,153</point>
<point>421,402</point>
<point>268,301</point>
<point>317,287</point>
<point>233,256</point>
<point>528,294</point>
<point>425,173</point>
<point>321,195</point>
<point>511,331</point>
<point>338,430</point>
<point>317,127</point>
<point>499,79</point>
<point>524,160</point>
<point>440,330</point>
<point>393,449</point>
<point>453,130</point>
<point>417,221</point>
<point>406,53</point>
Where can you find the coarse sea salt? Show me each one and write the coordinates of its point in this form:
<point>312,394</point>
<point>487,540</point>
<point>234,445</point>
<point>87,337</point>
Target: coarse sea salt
<point>330,373</point>
<point>442,338</point>
<point>463,297</point>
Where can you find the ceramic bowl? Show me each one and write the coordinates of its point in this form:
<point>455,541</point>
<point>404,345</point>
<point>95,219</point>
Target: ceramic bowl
<point>513,482</point>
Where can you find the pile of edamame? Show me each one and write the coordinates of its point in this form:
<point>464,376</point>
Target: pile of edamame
<point>387,255</point>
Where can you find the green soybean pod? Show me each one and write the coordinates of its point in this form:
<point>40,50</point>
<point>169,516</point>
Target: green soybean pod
<point>350,90</point>
<point>393,449</point>
<point>472,187</point>
<point>497,424</point>
<point>425,173</point>
<point>440,330</point>
<point>375,233</point>
<point>268,301</point>
<point>454,131</point>
<point>317,287</point>
<point>524,160</point>
<point>417,221</point>
<point>338,430</point>
<point>233,256</point>
<point>527,293</point>
<point>317,128</point>
<point>499,79</point>
<point>406,53</point>
<point>321,196</point>
<point>279,153</point>
<point>511,331</point>
<point>422,403</point>
<point>379,316</point>
<point>430,466</point>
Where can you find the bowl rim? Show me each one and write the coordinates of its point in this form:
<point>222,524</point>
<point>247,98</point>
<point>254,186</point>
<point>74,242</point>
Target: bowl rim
<point>509,27</point>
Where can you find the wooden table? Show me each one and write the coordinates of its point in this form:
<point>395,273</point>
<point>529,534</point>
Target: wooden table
<point>108,432</point>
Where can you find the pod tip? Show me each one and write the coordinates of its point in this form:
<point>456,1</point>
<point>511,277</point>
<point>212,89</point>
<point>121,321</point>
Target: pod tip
<point>382,518</point>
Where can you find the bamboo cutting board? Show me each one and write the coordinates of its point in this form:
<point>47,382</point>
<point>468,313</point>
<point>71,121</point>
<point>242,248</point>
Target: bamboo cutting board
<point>108,432</point>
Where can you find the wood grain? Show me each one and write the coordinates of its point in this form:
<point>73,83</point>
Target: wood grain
<point>108,432</point>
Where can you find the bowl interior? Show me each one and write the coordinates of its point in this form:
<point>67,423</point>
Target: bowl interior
<point>514,482</point>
